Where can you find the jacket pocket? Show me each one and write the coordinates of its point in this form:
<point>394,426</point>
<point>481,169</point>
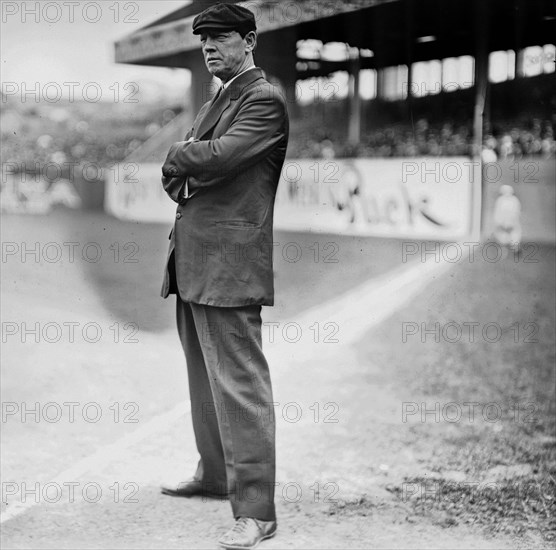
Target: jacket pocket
<point>237,224</point>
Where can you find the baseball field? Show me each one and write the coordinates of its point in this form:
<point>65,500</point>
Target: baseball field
<point>413,387</point>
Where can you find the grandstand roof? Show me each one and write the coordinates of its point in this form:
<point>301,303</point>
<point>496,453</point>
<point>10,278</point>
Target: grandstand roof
<point>394,30</point>
<point>190,9</point>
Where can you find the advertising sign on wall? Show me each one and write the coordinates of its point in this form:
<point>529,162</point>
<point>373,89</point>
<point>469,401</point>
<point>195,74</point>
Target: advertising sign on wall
<point>424,198</point>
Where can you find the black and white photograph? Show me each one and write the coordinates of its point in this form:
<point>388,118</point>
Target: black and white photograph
<point>278,274</point>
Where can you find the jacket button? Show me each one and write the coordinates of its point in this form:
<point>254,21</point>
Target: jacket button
<point>178,215</point>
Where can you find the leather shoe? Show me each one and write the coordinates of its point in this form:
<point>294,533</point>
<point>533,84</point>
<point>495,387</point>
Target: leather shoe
<point>247,533</point>
<point>192,488</point>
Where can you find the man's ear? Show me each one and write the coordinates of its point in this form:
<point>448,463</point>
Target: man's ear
<point>250,41</point>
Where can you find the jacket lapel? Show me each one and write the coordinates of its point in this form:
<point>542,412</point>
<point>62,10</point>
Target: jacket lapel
<point>213,114</point>
<point>231,93</point>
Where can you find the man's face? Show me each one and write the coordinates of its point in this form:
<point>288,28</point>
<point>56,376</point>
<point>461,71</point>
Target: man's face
<point>224,52</point>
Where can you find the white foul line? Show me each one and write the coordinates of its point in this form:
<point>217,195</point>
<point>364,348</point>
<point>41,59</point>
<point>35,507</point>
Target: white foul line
<point>365,306</point>
<point>105,455</point>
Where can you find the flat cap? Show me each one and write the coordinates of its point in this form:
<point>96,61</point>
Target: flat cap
<point>225,17</point>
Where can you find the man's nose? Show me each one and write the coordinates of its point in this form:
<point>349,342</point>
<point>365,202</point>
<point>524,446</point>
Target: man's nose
<point>208,46</point>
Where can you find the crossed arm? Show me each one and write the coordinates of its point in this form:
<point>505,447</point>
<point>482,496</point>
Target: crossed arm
<point>255,131</point>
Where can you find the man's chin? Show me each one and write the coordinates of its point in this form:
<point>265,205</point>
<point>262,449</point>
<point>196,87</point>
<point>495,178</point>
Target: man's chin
<point>215,72</point>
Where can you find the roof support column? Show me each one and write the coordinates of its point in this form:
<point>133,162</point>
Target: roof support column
<point>380,83</point>
<point>481,87</point>
<point>518,35</point>
<point>276,52</point>
<point>354,128</point>
<point>202,87</point>
<point>409,44</point>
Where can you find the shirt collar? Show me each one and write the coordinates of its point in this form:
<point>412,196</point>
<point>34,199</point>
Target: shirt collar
<point>232,79</point>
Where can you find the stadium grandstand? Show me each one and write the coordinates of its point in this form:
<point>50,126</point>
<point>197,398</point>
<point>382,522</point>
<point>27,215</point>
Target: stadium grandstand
<point>371,80</point>
<point>410,77</point>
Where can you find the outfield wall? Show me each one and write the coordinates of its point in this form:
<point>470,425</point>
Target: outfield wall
<point>424,198</point>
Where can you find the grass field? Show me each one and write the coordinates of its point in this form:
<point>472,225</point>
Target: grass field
<point>492,464</point>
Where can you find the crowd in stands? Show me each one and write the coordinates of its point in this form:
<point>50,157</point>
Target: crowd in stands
<point>77,142</point>
<point>33,140</point>
<point>507,140</point>
<point>534,139</point>
<point>63,151</point>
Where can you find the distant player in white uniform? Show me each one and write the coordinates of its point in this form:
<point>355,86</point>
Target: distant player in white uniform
<point>507,218</point>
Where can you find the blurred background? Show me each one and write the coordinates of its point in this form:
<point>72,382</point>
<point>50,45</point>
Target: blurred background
<point>417,199</point>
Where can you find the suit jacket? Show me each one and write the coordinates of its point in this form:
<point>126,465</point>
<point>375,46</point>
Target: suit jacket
<point>221,244</point>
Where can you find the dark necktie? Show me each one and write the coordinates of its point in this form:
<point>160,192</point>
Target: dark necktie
<point>217,95</point>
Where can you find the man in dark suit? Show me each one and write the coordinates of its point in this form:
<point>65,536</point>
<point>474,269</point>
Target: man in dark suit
<point>224,177</point>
